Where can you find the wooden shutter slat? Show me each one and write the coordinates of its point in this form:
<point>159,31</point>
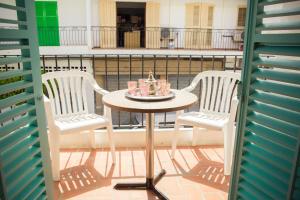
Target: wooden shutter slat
<point>37,193</point>
<point>14,34</point>
<point>282,39</point>
<point>14,125</point>
<point>9,101</point>
<point>17,174</point>
<point>275,124</point>
<point>29,190</point>
<point>268,86</point>
<point>16,136</point>
<point>15,86</point>
<point>264,166</point>
<point>251,189</point>
<point>273,136</point>
<point>13,46</point>
<point>19,159</point>
<point>283,76</point>
<point>275,27</point>
<point>19,110</point>
<point>272,2</point>
<point>10,21</point>
<point>11,7</point>
<point>258,183</point>
<point>13,60</point>
<point>278,50</point>
<point>14,73</point>
<point>276,100</point>
<point>264,155</point>
<point>9,155</point>
<point>278,63</point>
<point>283,154</point>
<point>279,14</point>
<point>276,112</point>
<point>278,185</point>
<point>20,188</point>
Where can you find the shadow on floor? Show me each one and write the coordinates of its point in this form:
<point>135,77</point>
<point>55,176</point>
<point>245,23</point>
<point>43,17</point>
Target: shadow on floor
<point>206,172</point>
<point>80,179</point>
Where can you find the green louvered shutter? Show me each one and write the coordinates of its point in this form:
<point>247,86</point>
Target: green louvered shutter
<point>25,171</point>
<point>266,163</point>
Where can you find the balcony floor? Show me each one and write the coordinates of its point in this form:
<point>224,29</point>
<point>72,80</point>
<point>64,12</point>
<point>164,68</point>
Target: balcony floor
<point>196,173</point>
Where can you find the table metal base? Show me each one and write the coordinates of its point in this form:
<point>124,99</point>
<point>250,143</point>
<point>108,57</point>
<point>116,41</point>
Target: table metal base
<point>151,181</point>
<point>148,185</point>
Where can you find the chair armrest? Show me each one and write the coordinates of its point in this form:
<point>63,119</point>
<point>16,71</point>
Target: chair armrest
<point>189,88</point>
<point>49,114</point>
<point>233,109</point>
<point>95,85</point>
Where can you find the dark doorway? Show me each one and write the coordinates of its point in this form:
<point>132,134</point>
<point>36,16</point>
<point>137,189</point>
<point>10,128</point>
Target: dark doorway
<point>131,24</point>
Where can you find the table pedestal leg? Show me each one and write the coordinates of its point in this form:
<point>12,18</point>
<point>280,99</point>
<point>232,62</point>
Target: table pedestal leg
<point>151,181</point>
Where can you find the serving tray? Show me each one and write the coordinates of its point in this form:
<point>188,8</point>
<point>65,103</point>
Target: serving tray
<point>150,98</point>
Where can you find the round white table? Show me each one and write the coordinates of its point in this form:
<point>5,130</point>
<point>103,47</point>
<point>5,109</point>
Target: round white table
<point>117,100</point>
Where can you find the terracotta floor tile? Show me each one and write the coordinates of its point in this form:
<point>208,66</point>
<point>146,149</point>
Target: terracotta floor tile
<point>195,174</point>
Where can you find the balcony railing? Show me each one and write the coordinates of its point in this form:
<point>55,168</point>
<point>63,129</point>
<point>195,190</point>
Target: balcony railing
<point>113,71</point>
<point>151,38</point>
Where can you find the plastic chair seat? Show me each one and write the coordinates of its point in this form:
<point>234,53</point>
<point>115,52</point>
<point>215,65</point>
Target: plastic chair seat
<point>204,119</point>
<point>77,122</point>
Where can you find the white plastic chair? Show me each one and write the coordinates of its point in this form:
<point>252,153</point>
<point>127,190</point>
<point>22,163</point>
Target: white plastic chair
<point>67,110</point>
<point>218,108</point>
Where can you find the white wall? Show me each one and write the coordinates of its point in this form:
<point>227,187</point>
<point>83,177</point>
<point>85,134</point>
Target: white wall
<point>71,13</point>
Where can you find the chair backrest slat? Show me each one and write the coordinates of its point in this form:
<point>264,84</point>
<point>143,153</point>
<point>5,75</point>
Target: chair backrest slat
<point>218,88</point>
<point>85,104</point>
<point>67,92</point>
<point>56,96</point>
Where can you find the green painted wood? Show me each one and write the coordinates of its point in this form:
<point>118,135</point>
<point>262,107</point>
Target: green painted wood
<point>278,63</point>
<point>272,99</point>
<point>10,21</point>
<point>272,136</point>
<point>13,34</point>
<point>25,167</point>
<point>278,50</point>
<point>282,39</point>
<point>14,73</point>
<point>47,22</point>
<point>267,146</point>
<point>12,7</point>
<point>11,60</point>
<point>13,100</point>
<point>14,138</point>
<point>285,26</point>
<point>276,112</point>
<point>17,111</point>
<point>12,46</point>
<point>287,77</point>
<point>15,86</point>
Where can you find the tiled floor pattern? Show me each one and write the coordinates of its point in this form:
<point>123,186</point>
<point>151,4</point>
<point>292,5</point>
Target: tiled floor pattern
<point>195,174</point>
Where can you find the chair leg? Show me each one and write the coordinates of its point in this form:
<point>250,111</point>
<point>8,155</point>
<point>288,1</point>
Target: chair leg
<point>175,138</point>
<point>111,142</point>
<point>92,139</point>
<point>195,136</point>
<point>54,139</point>
<point>227,131</point>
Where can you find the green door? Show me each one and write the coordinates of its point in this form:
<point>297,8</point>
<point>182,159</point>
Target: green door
<point>47,22</point>
<point>25,167</point>
<point>266,163</point>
